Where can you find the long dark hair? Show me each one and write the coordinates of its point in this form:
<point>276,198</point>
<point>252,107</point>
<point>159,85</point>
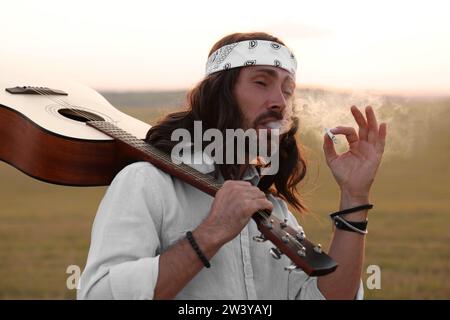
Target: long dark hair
<point>212,102</point>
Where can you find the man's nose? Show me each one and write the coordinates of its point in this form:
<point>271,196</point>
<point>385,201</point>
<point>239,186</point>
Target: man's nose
<point>277,100</point>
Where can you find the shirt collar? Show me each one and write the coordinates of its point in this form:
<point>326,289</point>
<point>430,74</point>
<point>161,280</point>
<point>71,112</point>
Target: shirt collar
<point>204,164</point>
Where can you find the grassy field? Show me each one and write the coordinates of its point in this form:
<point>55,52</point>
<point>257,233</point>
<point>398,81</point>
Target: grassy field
<point>45,228</point>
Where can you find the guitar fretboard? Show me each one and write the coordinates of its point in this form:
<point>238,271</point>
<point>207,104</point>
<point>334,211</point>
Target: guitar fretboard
<point>158,158</point>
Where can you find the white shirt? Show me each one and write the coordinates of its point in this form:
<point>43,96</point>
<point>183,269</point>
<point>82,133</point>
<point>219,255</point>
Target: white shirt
<point>145,211</point>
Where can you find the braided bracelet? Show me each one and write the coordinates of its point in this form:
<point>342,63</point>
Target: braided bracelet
<point>199,252</point>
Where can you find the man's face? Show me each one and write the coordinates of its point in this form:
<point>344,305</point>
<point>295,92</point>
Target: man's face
<point>264,94</point>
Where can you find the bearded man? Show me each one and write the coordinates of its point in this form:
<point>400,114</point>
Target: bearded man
<point>156,237</point>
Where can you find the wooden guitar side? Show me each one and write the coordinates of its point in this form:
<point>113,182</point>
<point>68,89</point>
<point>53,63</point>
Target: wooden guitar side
<point>57,159</point>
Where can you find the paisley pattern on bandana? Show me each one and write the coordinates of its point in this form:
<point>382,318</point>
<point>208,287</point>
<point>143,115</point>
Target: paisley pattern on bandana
<point>275,45</point>
<point>252,44</point>
<point>219,56</point>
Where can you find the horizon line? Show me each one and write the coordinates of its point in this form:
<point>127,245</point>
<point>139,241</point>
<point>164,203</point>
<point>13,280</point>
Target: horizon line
<point>392,93</point>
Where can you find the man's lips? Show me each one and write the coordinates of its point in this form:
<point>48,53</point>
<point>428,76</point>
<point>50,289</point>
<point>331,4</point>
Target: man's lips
<point>270,125</point>
<point>268,120</point>
<point>274,124</point>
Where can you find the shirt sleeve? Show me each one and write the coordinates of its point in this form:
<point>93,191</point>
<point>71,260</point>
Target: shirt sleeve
<point>301,286</point>
<point>123,257</point>
<point>305,287</point>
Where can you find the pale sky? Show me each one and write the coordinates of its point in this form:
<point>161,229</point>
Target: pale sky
<point>388,46</point>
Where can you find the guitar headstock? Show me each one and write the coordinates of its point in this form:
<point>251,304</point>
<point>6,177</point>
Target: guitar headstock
<point>293,243</point>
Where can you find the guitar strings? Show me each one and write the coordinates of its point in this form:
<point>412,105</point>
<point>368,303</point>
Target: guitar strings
<point>160,155</point>
<point>61,102</point>
<point>87,115</point>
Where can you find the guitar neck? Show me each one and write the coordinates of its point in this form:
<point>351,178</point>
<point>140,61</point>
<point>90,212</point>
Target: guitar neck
<point>146,152</point>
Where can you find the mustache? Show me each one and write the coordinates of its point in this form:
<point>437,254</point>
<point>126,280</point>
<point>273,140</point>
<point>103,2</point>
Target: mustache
<point>268,115</point>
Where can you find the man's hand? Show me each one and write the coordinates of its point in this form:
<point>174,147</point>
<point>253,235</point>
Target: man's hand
<point>355,169</point>
<point>233,207</point>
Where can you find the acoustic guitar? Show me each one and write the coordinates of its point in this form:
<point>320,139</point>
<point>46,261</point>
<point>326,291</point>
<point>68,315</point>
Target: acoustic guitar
<point>68,134</point>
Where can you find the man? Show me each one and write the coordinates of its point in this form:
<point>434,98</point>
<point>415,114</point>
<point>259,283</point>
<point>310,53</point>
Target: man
<point>155,237</point>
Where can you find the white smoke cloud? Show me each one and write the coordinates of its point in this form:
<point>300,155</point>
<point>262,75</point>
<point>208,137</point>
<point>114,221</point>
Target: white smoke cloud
<point>319,109</point>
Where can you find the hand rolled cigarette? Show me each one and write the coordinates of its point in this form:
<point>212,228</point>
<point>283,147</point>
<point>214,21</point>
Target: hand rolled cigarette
<point>331,135</point>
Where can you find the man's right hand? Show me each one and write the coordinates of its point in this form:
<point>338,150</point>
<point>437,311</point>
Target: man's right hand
<point>234,205</point>
<point>232,208</point>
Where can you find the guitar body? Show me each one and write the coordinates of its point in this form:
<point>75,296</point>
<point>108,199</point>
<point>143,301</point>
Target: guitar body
<point>46,137</point>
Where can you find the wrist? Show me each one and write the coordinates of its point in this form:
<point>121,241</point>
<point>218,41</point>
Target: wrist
<point>349,200</point>
<point>208,239</point>
<point>355,197</point>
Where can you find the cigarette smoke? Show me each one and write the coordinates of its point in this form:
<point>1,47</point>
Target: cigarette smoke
<point>321,109</point>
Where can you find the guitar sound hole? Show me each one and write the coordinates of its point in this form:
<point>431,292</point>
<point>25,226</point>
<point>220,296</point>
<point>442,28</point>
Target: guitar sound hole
<point>80,115</point>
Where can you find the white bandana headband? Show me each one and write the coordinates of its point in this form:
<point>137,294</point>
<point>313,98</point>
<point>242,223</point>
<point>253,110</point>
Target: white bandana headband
<point>251,53</point>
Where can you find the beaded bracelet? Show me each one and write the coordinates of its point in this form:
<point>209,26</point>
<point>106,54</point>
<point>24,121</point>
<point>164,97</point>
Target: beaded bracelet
<point>199,252</point>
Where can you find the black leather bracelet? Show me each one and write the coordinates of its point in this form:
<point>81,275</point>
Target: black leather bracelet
<point>199,252</point>
<point>350,210</point>
<point>352,226</point>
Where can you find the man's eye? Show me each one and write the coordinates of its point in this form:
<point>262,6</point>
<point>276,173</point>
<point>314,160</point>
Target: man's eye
<point>288,93</point>
<point>261,83</point>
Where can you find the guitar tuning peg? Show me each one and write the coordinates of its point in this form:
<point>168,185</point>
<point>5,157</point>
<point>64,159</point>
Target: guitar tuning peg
<point>285,238</point>
<point>300,234</point>
<point>260,238</point>
<point>318,248</point>
<point>283,224</point>
<point>276,253</point>
<point>269,224</point>
<point>301,251</point>
<point>290,267</point>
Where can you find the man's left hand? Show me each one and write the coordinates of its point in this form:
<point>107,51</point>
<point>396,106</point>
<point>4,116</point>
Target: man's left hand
<point>355,169</point>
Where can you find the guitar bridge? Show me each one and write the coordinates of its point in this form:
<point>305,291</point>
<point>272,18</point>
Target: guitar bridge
<point>35,90</point>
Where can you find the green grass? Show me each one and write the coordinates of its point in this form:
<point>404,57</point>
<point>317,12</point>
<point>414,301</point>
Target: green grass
<point>44,228</point>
